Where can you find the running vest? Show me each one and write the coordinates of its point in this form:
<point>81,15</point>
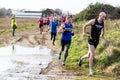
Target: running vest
<point>47,20</point>
<point>67,35</point>
<point>96,29</point>
<point>41,21</point>
<point>13,22</point>
<point>53,25</point>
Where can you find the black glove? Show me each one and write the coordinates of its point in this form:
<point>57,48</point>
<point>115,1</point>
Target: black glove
<point>72,33</point>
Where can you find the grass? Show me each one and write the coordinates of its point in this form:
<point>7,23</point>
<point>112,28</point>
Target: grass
<point>23,24</point>
<point>95,77</point>
<point>107,52</point>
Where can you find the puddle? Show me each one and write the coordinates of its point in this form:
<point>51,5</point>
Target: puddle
<point>15,55</point>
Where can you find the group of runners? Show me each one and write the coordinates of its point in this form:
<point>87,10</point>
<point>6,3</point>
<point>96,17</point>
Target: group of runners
<point>44,21</point>
<point>51,23</point>
<point>97,29</point>
<point>66,29</point>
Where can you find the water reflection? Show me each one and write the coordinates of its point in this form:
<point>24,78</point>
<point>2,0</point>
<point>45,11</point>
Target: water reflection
<point>12,55</point>
<point>13,49</point>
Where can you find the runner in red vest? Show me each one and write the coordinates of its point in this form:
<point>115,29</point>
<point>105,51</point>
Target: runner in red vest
<point>47,22</point>
<point>63,18</point>
<point>41,24</point>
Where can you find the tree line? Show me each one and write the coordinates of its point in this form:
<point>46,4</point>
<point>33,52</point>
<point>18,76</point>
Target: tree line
<point>93,10</point>
<point>5,12</point>
<point>8,12</point>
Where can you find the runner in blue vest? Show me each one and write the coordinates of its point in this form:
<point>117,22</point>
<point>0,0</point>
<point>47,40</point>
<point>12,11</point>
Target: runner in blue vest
<point>67,31</point>
<point>53,29</point>
<point>97,27</point>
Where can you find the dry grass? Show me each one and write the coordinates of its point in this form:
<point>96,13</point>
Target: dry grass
<point>22,24</point>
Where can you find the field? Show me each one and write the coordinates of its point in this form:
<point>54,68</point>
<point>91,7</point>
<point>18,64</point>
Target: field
<point>106,63</point>
<point>23,25</point>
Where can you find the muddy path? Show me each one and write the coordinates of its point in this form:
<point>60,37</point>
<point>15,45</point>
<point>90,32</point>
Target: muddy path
<point>53,71</point>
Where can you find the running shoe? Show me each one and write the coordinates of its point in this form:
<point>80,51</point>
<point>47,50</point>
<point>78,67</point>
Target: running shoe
<point>63,63</point>
<point>59,57</point>
<point>91,72</point>
<point>80,62</point>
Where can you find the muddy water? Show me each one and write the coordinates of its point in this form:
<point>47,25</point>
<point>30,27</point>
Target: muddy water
<point>22,63</point>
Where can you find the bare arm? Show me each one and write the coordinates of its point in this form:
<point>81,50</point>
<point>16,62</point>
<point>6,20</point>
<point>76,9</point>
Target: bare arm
<point>102,31</point>
<point>60,30</point>
<point>91,22</point>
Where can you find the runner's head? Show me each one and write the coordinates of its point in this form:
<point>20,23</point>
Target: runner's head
<point>102,16</point>
<point>13,16</point>
<point>68,19</point>
<point>54,19</point>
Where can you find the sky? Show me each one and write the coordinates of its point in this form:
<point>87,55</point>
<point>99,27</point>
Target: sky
<point>72,6</point>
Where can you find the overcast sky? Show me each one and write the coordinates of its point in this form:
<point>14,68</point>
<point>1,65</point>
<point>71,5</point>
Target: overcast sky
<point>73,6</point>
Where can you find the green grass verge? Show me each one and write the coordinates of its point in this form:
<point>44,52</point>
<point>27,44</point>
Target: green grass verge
<point>106,55</point>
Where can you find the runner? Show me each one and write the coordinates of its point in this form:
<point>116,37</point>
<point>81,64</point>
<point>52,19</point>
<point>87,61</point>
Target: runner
<point>13,25</point>
<point>66,29</point>
<point>97,27</point>
<point>41,24</point>
<point>47,22</point>
<point>60,19</point>
<point>44,23</point>
<point>53,26</point>
<point>63,18</point>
